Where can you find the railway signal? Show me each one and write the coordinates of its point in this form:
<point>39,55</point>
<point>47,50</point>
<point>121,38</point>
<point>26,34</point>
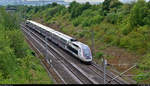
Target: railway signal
<point>93,42</point>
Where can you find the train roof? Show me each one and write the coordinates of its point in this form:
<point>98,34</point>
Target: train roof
<point>42,26</point>
<point>80,44</point>
<point>66,37</point>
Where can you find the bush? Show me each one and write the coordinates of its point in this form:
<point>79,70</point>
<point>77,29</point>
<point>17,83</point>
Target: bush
<point>124,42</point>
<point>108,38</point>
<point>77,21</point>
<point>144,62</point>
<point>97,19</point>
<point>112,18</point>
<point>141,77</point>
<point>86,22</point>
<point>99,55</point>
<point>138,13</point>
<point>134,41</point>
<point>76,9</point>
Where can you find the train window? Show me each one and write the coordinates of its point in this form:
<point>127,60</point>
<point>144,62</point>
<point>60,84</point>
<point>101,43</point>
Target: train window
<point>72,49</point>
<point>64,41</point>
<point>76,46</point>
<point>73,39</point>
<point>86,51</point>
<point>27,22</point>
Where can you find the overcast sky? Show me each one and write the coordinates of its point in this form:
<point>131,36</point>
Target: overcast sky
<point>97,0</point>
<point>89,0</point>
<point>85,0</point>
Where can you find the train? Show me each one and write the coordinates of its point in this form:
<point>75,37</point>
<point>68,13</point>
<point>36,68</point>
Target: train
<point>70,44</point>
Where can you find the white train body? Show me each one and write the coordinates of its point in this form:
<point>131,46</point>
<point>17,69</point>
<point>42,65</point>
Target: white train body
<point>66,42</point>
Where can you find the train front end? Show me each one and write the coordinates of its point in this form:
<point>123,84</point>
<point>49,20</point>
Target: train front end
<point>86,53</point>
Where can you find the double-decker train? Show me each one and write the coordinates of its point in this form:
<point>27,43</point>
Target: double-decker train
<point>66,42</point>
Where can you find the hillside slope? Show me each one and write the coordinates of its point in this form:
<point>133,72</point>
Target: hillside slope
<point>121,30</point>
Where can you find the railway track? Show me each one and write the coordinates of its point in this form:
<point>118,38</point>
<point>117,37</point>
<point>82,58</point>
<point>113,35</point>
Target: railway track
<point>39,52</point>
<point>78,69</point>
<point>81,76</point>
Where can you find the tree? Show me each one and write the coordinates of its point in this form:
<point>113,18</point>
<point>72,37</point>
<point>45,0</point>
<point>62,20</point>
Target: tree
<point>76,9</point>
<point>110,4</point>
<point>138,13</point>
<point>86,6</point>
<point>105,6</point>
<point>147,18</point>
<point>54,4</point>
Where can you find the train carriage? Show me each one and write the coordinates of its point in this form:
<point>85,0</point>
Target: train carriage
<point>66,42</point>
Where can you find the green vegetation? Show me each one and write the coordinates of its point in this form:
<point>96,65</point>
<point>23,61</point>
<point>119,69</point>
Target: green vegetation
<point>17,64</point>
<point>114,23</point>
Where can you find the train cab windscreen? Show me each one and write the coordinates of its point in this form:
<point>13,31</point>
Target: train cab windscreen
<point>86,52</point>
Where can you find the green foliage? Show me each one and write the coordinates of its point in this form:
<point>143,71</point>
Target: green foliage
<point>109,5</point>
<point>76,9</point>
<point>86,22</point>
<point>16,59</point>
<point>16,39</point>
<point>138,14</point>
<point>105,7</point>
<point>97,19</point>
<point>143,65</point>
<point>99,55</point>
<point>115,24</point>
<point>142,76</point>
<point>134,41</point>
<point>10,24</point>
<point>115,4</point>
<point>77,21</point>
<point>54,4</point>
<point>112,18</point>
<point>7,62</point>
<point>145,62</point>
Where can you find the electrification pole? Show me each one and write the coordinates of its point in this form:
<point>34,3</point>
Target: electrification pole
<point>92,40</point>
<point>104,68</point>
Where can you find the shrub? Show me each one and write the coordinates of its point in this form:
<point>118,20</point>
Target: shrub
<point>108,38</point>
<point>112,18</point>
<point>99,55</point>
<point>145,62</point>
<point>77,21</point>
<point>142,76</point>
<point>138,14</point>
<point>134,41</point>
<point>86,22</point>
<point>124,42</point>
<point>76,9</point>
<point>97,19</point>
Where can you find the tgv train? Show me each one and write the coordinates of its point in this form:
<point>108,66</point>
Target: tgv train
<point>66,42</point>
